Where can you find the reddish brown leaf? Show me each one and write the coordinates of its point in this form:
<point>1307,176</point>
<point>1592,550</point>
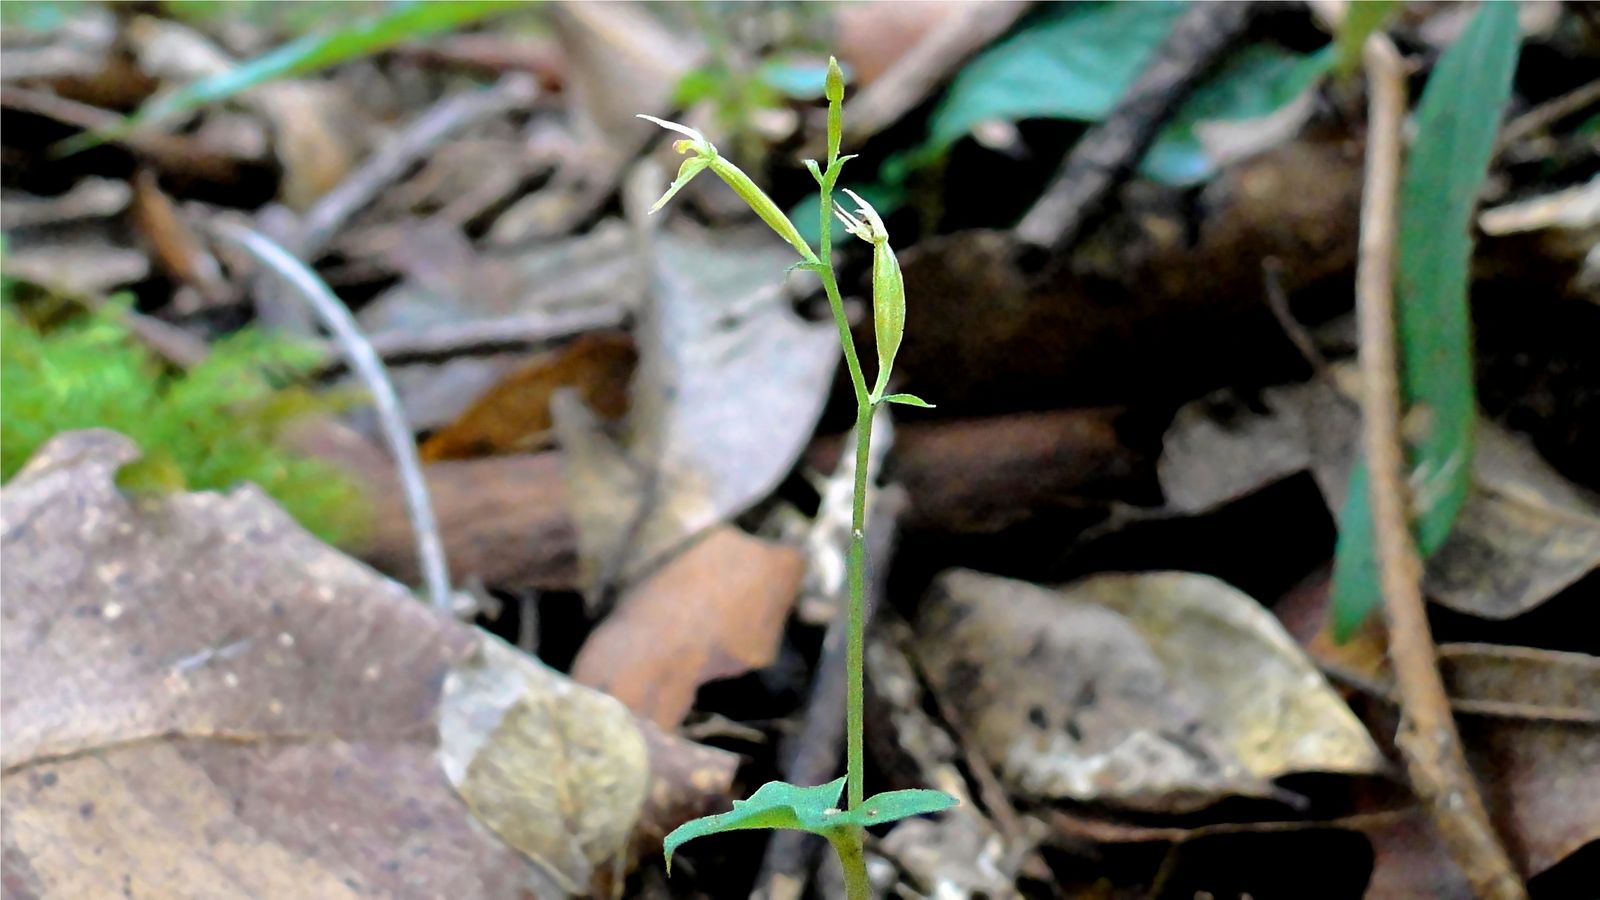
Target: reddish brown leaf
<point>514,415</point>
<point>715,611</point>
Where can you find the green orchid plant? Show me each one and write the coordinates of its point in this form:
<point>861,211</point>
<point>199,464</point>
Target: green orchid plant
<point>778,804</point>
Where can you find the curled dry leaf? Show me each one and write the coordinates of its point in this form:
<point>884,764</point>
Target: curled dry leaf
<point>1524,535</point>
<point>514,415</point>
<point>264,721</point>
<point>715,611</point>
<point>1161,692</point>
<point>1542,751</point>
<point>729,388</point>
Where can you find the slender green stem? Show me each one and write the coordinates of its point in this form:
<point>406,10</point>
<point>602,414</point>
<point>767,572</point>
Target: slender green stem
<point>855,719</point>
<point>855,756</point>
<point>848,845</point>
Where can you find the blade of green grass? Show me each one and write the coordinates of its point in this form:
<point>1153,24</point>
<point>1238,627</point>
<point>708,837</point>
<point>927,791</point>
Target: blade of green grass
<point>1457,119</point>
<point>307,54</point>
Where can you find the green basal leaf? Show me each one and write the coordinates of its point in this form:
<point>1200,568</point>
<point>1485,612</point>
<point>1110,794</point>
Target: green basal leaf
<point>1456,122</point>
<point>775,805</point>
<point>908,400</point>
<point>779,805</point>
<point>892,806</point>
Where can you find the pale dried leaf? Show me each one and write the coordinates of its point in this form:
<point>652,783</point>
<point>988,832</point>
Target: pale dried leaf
<point>1163,691</point>
<point>558,771</point>
<point>203,700</point>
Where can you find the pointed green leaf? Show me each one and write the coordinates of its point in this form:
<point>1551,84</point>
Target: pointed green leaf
<point>895,805</point>
<point>775,804</point>
<point>908,400</point>
<point>1457,120</point>
<point>815,170</point>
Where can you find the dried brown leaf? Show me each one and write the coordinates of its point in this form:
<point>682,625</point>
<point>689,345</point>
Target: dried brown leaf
<point>514,415</point>
<point>715,611</point>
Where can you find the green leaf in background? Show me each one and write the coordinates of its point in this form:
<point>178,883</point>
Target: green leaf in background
<point>797,79</point>
<point>1076,60</point>
<point>1456,123</point>
<point>1071,62</point>
<point>1254,83</point>
<point>308,54</point>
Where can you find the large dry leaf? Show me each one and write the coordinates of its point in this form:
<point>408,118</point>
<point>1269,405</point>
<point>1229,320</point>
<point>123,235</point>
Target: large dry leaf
<point>203,700</point>
<point>729,388</point>
<point>715,611</point>
<point>1164,691</point>
<point>1524,535</point>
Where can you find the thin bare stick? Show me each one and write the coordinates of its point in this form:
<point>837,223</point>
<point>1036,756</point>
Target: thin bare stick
<point>365,363</point>
<point>1427,738</point>
<point>1549,113</point>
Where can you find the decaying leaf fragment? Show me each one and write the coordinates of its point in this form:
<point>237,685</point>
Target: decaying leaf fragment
<point>1524,534</point>
<point>1160,691</point>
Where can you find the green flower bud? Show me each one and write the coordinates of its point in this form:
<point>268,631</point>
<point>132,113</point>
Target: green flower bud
<point>888,287</point>
<point>834,86</point>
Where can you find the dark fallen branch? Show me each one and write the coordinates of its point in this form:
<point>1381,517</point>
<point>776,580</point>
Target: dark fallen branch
<point>1109,151</point>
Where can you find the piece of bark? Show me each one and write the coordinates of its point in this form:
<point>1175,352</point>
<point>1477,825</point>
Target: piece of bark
<point>503,520</point>
<point>981,475</point>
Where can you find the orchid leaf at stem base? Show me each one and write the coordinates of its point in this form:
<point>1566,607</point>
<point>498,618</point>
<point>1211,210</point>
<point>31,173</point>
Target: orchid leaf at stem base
<point>780,805</point>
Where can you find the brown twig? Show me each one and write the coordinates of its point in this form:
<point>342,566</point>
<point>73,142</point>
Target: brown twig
<point>1427,738</point>
<point>1548,113</point>
<point>1108,152</point>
